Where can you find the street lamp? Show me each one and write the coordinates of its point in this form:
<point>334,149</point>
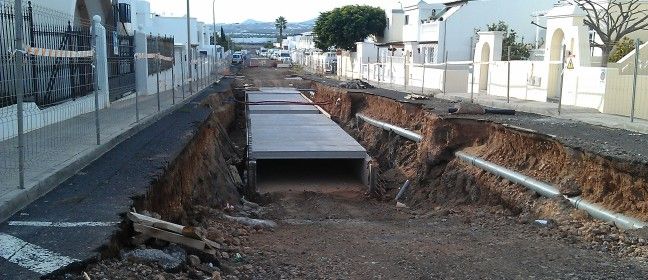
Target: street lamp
<point>214,31</point>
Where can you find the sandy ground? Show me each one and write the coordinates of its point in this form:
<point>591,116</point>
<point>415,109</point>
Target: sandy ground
<point>339,234</point>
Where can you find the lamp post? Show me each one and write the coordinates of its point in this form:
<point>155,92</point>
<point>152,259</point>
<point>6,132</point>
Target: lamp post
<point>214,31</point>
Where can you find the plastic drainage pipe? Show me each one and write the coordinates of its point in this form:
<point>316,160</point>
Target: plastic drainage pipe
<point>389,127</point>
<point>550,191</point>
<point>515,177</point>
<point>596,211</point>
<point>542,188</point>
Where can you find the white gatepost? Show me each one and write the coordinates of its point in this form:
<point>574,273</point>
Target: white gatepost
<point>102,65</point>
<point>141,63</point>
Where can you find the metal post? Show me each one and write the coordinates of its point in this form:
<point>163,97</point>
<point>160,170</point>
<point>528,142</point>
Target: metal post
<point>472,82</point>
<point>562,77</point>
<point>423,79</point>
<point>634,81</point>
<point>391,71</point>
<point>202,71</point>
<point>368,62</point>
<point>445,71</point>
<point>96,21</point>
<point>20,90</point>
<point>137,113</point>
<point>508,77</point>
<point>157,75</point>
<point>182,73</point>
<point>173,79</point>
<point>189,72</point>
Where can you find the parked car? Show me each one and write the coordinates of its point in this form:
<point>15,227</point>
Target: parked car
<point>263,52</point>
<point>284,57</point>
<point>237,58</point>
<point>329,61</point>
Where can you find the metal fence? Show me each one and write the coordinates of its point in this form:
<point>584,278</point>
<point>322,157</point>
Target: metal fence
<point>75,75</point>
<point>162,45</point>
<point>50,79</point>
<point>121,63</point>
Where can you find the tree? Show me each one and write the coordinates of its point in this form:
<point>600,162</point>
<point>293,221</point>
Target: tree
<point>519,50</point>
<point>281,24</point>
<point>622,48</point>
<point>224,40</point>
<point>343,27</point>
<point>222,35</point>
<point>612,20</point>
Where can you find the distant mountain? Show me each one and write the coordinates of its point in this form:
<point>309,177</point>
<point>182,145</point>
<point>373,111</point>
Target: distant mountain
<point>255,28</point>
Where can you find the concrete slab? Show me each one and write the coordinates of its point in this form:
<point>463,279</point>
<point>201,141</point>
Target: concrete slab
<point>279,90</point>
<point>300,136</point>
<point>280,109</point>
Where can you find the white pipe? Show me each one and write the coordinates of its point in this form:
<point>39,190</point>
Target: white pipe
<point>550,191</point>
<point>598,212</point>
<point>542,188</point>
<point>389,127</point>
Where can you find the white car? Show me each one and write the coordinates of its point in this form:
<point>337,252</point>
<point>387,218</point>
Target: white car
<point>284,57</point>
<point>237,58</point>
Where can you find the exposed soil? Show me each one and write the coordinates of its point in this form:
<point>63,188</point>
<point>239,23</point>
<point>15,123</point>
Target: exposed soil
<point>460,222</point>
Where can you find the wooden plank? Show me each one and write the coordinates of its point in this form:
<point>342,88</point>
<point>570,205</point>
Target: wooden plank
<point>195,233</point>
<point>153,222</point>
<point>172,237</point>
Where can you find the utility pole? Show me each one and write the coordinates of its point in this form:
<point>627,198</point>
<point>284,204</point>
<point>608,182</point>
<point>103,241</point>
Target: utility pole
<point>189,60</point>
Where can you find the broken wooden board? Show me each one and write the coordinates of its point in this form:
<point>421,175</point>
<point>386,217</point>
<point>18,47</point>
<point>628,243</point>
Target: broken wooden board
<point>172,237</point>
<point>156,228</point>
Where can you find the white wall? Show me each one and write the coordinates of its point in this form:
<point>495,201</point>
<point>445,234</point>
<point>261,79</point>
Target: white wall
<point>174,26</point>
<point>478,14</point>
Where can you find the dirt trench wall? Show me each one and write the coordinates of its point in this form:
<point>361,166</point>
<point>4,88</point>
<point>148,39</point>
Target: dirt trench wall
<point>200,174</point>
<point>440,178</point>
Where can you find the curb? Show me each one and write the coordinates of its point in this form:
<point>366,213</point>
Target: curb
<point>18,199</point>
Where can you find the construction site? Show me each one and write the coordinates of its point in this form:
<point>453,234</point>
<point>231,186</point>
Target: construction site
<point>292,176</point>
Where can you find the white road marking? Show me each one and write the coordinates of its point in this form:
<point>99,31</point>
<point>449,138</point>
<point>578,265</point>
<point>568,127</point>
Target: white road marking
<point>61,224</point>
<point>30,256</point>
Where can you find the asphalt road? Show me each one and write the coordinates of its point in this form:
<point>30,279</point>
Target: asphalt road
<point>98,194</point>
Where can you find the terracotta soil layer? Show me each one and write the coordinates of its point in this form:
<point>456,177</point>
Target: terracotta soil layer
<point>618,185</point>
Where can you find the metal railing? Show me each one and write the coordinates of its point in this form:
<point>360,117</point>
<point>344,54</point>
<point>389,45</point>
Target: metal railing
<point>65,88</point>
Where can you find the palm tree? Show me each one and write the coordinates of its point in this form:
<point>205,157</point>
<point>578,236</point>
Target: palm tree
<point>280,23</point>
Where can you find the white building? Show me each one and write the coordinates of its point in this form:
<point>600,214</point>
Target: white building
<point>427,30</point>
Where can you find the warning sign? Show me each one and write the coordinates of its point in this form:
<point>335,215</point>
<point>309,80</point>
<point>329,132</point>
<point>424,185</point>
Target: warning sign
<point>570,64</point>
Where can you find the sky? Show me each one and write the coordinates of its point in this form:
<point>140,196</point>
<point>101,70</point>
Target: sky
<point>228,11</point>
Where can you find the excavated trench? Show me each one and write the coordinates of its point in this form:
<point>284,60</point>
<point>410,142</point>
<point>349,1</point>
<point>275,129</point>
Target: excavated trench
<point>205,179</point>
<point>439,177</point>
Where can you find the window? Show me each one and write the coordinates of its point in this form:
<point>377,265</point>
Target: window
<point>406,20</point>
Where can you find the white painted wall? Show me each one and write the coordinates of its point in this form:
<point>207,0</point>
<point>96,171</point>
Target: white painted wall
<point>176,27</point>
<point>479,13</point>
